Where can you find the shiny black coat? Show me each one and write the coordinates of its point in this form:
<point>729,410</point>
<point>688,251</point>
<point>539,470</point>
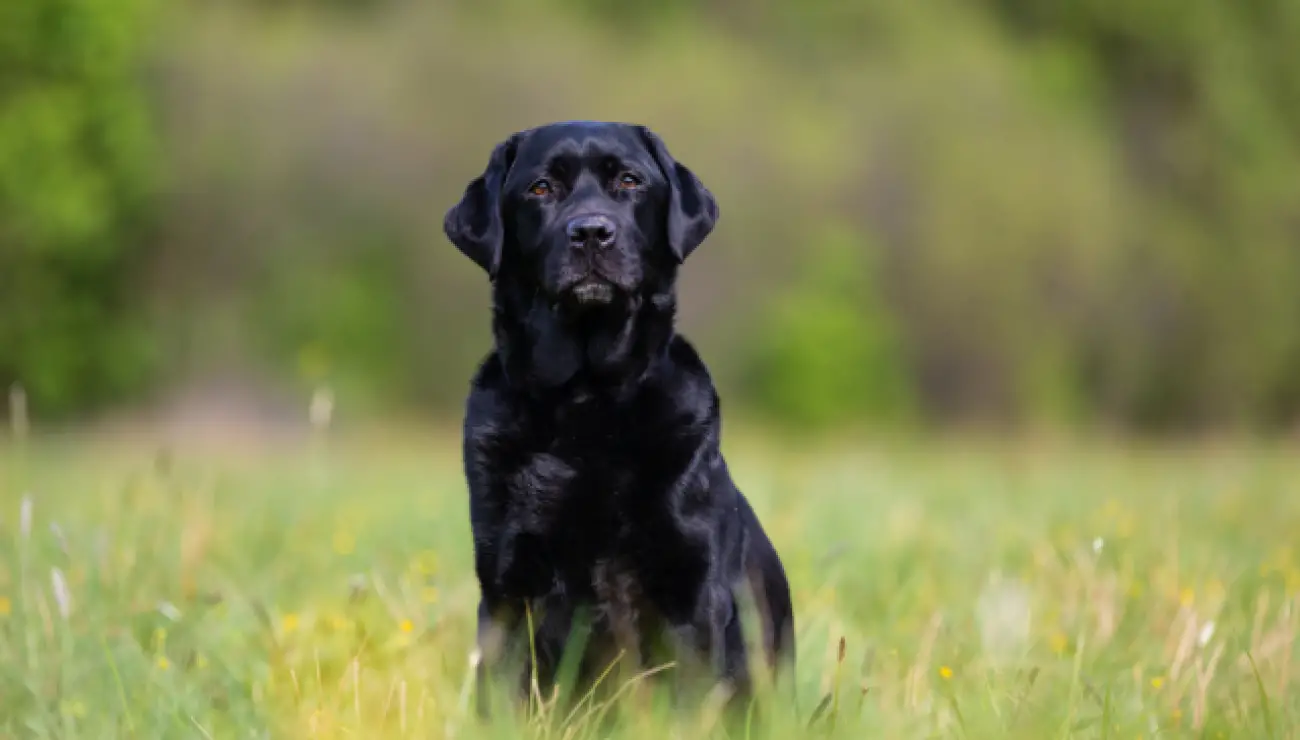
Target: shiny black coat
<point>601,507</point>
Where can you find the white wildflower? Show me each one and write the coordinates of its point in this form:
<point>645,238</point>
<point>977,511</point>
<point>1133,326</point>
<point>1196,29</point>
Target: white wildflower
<point>25,516</point>
<point>169,610</point>
<point>1097,544</point>
<point>322,407</point>
<point>1004,617</point>
<point>61,594</point>
<point>1206,634</point>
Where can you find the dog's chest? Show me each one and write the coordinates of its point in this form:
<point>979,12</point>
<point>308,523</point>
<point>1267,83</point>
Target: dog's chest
<point>583,461</point>
<point>578,500</point>
<point>576,496</point>
<point>564,522</point>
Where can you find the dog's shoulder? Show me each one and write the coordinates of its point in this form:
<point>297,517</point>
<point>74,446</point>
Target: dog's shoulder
<point>489,377</point>
<point>684,358</point>
<point>489,406</point>
<point>486,385</point>
<point>681,387</point>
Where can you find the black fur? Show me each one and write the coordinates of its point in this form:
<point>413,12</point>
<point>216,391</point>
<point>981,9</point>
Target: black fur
<point>598,493</point>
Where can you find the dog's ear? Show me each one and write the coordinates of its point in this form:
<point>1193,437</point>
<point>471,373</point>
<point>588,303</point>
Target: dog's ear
<point>692,210</point>
<point>474,224</point>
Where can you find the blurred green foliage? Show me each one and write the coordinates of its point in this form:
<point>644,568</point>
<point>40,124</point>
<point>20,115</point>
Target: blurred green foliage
<point>1078,212</point>
<point>76,160</point>
<point>828,353</point>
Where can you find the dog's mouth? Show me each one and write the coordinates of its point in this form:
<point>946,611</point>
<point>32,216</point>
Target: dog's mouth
<point>592,291</point>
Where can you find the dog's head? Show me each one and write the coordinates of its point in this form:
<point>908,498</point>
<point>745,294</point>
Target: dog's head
<point>586,216</point>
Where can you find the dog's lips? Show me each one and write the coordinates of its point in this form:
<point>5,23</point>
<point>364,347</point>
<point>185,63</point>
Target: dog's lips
<point>592,290</point>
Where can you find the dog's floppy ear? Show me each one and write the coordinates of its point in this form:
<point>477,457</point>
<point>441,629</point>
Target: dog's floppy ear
<point>692,211</point>
<point>474,224</point>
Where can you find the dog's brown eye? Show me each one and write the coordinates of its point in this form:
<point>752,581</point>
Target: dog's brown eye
<point>541,187</point>
<point>628,181</point>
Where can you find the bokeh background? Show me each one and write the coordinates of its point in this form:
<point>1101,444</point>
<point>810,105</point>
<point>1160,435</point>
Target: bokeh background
<point>992,212</point>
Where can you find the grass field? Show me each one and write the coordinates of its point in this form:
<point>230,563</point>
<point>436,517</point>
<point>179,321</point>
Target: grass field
<point>941,589</point>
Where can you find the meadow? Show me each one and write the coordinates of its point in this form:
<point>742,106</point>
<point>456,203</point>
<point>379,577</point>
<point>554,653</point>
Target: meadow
<point>943,588</point>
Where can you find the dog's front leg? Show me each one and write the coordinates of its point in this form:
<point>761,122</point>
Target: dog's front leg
<point>716,640</point>
<point>498,625</point>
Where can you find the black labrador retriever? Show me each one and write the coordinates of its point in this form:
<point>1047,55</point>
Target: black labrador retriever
<point>599,498</point>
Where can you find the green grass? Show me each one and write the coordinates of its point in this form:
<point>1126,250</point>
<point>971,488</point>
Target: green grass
<point>942,589</point>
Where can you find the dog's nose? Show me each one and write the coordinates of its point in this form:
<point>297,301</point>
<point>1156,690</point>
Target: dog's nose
<point>597,230</point>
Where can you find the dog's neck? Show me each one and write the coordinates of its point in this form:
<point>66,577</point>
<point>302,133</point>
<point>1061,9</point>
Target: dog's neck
<point>607,350</point>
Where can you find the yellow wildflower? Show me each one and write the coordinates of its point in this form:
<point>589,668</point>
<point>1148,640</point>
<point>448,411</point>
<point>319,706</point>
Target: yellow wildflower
<point>1125,527</point>
<point>1111,509</point>
<point>1186,597</point>
<point>289,622</point>
<point>1058,642</point>
<point>5,606</point>
<point>426,563</point>
<point>1293,580</point>
<point>344,542</point>
<point>163,663</point>
<point>945,673</point>
<point>406,626</point>
<point>1158,682</point>
<point>72,708</point>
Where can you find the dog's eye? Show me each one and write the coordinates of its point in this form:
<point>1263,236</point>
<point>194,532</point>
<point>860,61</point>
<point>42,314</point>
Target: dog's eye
<point>628,181</point>
<point>541,187</point>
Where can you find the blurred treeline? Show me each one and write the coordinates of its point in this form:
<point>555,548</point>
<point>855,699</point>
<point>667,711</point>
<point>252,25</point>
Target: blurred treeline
<point>1063,212</point>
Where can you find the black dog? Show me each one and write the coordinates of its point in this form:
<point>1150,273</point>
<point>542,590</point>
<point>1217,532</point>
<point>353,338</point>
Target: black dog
<point>598,494</point>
